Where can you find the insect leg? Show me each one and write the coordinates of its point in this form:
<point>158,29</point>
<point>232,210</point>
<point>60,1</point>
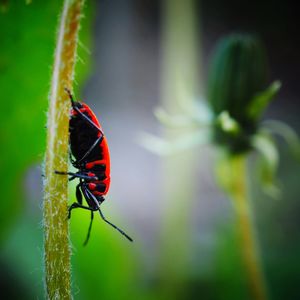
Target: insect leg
<point>76,175</point>
<point>78,194</point>
<point>99,139</point>
<point>89,230</point>
<point>77,205</point>
<point>114,226</point>
<point>70,96</point>
<point>102,216</point>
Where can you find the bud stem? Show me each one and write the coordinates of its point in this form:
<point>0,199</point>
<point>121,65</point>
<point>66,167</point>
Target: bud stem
<point>237,189</point>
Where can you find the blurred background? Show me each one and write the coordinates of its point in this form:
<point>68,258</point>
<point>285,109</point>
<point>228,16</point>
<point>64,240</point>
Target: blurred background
<point>185,244</point>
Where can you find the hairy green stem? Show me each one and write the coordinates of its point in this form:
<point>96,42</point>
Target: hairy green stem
<point>236,186</point>
<point>56,233</point>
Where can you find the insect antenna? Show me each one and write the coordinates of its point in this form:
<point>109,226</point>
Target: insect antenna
<point>70,96</point>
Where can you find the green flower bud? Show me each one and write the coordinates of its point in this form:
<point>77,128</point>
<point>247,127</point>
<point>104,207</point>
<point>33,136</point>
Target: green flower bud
<point>238,74</point>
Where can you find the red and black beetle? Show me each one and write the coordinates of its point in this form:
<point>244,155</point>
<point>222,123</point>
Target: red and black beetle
<point>90,149</point>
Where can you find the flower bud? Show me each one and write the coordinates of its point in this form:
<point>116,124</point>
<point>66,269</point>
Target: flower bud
<point>238,74</point>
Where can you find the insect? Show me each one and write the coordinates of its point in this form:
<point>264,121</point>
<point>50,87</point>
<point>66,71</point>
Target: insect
<point>90,149</point>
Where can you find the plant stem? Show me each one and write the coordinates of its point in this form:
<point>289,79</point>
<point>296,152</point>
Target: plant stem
<point>238,191</point>
<point>56,233</point>
<point>179,85</point>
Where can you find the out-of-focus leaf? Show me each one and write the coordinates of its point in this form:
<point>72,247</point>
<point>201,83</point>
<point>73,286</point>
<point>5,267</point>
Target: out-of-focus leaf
<point>227,123</point>
<point>24,255</point>
<point>287,133</point>
<point>27,46</point>
<point>260,101</point>
<point>27,34</point>
<point>106,268</point>
<point>162,146</point>
<point>174,121</point>
<point>229,270</point>
<point>268,164</point>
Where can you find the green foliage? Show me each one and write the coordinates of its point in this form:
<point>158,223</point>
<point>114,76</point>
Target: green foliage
<point>108,261</point>
<point>229,270</point>
<point>27,34</point>
<point>287,133</point>
<point>27,46</point>
<point>261,100</point>
<point>23,252</point>
<point>266,147</point>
